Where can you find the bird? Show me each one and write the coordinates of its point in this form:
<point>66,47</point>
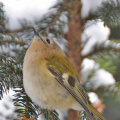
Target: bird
<point>50,79</point>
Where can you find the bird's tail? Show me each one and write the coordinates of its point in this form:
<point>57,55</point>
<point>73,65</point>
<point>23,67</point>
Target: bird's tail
<point>94,111</point>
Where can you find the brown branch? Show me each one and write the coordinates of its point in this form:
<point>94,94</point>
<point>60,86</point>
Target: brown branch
<point>13,31</point>
<point>74,44</point>
<point>74,36</point>
<point>73,115</point>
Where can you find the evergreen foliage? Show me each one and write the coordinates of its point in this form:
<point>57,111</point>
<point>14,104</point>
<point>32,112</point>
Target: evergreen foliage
<point>13,46</point>
<point>110,13</point>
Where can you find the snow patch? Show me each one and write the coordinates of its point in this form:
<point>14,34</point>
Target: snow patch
<point>95,34</point>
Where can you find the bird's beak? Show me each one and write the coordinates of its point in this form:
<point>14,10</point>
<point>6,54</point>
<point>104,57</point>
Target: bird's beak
<point>37,34</point>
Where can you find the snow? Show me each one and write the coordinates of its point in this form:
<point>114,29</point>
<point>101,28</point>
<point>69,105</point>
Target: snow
<point>63,114</point>
<point>29,10</point>
<point>96,102</point>
<point>63,18</point>
<point>93,97</point>
<point>41,117</point>
<point>90,6</point>
<point>87,67</point>
<point>100,77</point>
<point>88,64</point>
<point>7,107</point>
<point>95,34</point>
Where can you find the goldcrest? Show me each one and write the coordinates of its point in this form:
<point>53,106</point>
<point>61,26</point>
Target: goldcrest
<point>51,81</point>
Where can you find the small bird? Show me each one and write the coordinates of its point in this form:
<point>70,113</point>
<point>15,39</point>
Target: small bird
<point>51,81</point>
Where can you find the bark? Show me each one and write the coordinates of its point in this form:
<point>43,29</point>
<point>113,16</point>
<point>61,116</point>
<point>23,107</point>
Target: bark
<point>74,44</point>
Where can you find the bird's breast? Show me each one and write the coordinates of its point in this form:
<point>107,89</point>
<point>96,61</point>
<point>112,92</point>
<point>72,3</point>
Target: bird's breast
<point>44,90</point>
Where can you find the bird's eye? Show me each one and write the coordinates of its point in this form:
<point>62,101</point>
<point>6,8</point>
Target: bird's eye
<point>48,41</point>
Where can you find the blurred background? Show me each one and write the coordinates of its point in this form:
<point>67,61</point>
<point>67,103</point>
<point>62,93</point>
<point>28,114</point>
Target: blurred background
<point>88,31</point>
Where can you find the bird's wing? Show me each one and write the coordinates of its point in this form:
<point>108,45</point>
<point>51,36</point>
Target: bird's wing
<point>69,81</point>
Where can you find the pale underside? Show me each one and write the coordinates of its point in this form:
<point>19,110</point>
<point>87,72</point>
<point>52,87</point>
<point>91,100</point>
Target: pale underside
<point>46,91</point>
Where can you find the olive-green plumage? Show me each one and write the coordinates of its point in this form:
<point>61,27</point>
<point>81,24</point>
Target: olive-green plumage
<point>51,81</point>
